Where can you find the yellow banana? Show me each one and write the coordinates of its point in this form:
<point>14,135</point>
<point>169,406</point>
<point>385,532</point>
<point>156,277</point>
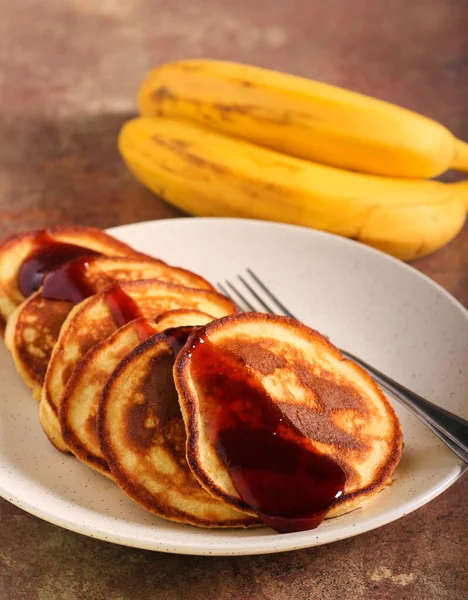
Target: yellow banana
<point>207,173</point>
<point>302,118</point>
<point>461,188</point>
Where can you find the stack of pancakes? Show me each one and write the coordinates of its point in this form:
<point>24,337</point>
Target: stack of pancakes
<point>117,387</point>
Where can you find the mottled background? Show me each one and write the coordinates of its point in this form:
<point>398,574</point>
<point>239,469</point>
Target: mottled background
<point>69,70</point>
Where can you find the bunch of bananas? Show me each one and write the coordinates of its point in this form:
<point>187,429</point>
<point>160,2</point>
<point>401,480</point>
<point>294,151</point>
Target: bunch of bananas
<point>224,139</point>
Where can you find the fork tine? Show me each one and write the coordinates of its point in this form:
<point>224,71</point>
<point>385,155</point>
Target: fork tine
<point>224,291</point>
<point>254,293</point>
<point>243,298</point>
<point>279,304</point>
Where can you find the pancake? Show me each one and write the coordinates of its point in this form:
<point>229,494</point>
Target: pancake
<point>94,320</point>
<point>328,399</point>
<point>143,439</point>
<point>79,403</point>
<point>33,328</point>
<point>16,249</point>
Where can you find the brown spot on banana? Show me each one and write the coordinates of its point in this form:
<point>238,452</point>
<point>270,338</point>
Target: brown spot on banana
<point>357,235</point>
<point>161,96</point>
<point>244,83</point>
<point>228,112</point>
<point>163,93</point>
<point>419,251</point>
<point>181,147</point>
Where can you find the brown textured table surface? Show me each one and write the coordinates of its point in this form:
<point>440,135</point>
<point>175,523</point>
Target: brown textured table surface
<point>69,70</point>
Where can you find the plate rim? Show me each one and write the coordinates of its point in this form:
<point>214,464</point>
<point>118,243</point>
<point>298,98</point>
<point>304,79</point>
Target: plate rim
<point>259,545</point>
<point>317,232</point>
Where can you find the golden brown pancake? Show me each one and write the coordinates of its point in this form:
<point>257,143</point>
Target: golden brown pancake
<point>34,326</point>
<point>143,439</point>
<point>80,401</point>
<point>93,320</point>
<point>329,399</point>
<point>17,248</point>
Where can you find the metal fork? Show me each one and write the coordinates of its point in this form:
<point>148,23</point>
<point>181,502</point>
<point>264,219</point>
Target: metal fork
<point>450,428</point>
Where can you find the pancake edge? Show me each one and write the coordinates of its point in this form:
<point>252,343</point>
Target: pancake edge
<point>145,499</point>
<point>189,408</point>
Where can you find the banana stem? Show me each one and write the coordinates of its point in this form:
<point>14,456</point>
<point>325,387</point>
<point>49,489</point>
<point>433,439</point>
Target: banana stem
<point>460,161</point>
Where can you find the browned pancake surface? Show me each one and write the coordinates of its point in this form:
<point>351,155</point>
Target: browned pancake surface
<point>78,408</point>
<point>331,400</point>
<point>34,327</point>
<point>93,320</point>
<point>18,247</point>
<point>143,438</point>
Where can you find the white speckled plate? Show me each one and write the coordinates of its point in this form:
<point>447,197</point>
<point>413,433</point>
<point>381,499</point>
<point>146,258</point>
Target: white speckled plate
<point>379,308</point>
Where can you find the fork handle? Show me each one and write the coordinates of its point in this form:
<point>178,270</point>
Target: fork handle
<point>453,428</point>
